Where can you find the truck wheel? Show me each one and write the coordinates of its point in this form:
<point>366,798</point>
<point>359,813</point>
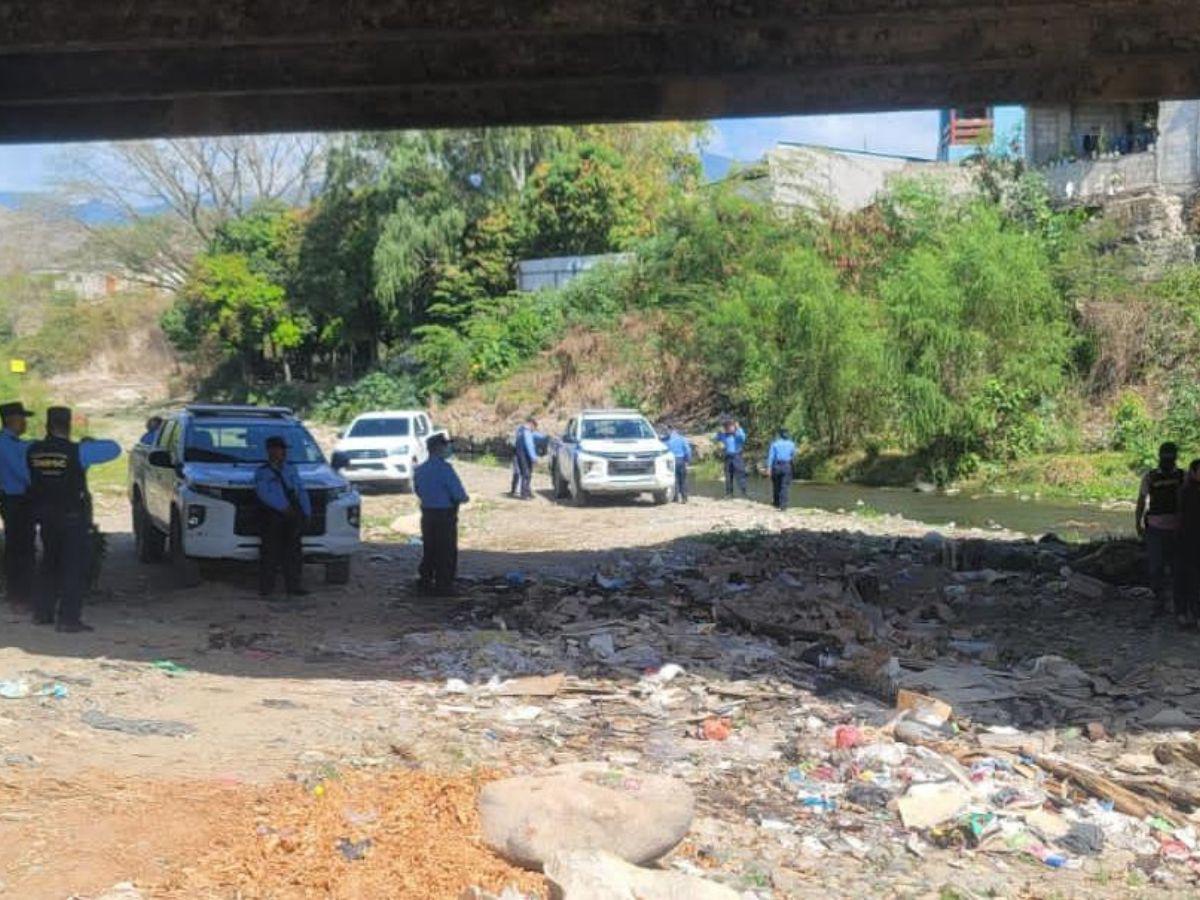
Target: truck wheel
<point>561,489</point>
<point>578,495</point>
<point>337,571</point>
<point>661,498</point>
<point>187,571</point>
<point>150,542</point>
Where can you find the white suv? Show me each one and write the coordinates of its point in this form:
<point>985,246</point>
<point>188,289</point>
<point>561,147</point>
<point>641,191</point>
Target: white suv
<point>611,451</point>
<point>383,447</point>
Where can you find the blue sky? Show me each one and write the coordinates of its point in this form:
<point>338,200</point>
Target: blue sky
<point>30,167</point>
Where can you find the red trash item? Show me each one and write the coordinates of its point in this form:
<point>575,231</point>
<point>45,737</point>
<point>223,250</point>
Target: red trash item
<point>714,729</point>
<point>846,736</point>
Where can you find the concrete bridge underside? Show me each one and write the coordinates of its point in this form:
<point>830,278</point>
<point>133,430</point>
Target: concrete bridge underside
<point>137,68</point>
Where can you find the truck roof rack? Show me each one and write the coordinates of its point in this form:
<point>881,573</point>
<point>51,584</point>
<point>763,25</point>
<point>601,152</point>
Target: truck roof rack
<point>610,412</point>
<point>235,409</point>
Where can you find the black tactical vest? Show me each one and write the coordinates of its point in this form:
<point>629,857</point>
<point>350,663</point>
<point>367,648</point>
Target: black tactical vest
<point>1164,492</point>
<point>57,481</point>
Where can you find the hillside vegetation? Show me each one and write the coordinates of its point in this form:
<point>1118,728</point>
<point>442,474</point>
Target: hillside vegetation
<point>961,332</point>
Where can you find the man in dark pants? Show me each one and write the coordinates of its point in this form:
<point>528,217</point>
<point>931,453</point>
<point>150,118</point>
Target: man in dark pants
<point>1157,519</point>
<point>779,463</point>
<point>681,450</point>
<point>19,529</point>
<point>732,439</point>
<point>285,508</point>
<point>441,493</point>
<point>62,507</point>
<point>526,455</point>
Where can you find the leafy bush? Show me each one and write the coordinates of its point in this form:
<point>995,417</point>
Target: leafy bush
<point>1133,431</point>
<point>375,391</point>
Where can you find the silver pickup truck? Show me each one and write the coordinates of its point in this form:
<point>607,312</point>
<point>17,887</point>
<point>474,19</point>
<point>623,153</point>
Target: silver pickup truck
<point>192,490</point>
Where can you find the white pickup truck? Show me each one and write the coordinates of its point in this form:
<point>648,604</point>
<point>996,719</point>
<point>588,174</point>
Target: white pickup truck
<point>192,490</point>
<point>611,452</point>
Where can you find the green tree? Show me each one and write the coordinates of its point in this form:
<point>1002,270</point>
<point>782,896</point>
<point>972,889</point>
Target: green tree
<point>580,202</point>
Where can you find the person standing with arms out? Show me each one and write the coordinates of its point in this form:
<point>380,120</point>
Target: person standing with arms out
<point>1158,521</point>
<point>1187,600</point>
<point>527,454</point>
<point>285,507</point>
<point>732,439</point>
<point>441,493</point>
<point>20,551</point>
<point>62,507</point>
<point>682,451</point>
<point>780,459</point>
<point>153,426</point>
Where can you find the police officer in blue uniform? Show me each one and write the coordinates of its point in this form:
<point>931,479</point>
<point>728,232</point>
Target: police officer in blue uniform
<point>441,493</point>
<point>732,439</point>
<point>285,507</point>
<point>780,458</point>
<point>681,450</point>
<point>528,439</point>
<point>19,528</point>
<point>62,507</point>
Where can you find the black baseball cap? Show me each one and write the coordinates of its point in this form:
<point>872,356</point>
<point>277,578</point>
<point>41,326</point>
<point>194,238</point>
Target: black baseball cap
<point>1169,450</point>
<point>276,440</point>
<point>437,439</point>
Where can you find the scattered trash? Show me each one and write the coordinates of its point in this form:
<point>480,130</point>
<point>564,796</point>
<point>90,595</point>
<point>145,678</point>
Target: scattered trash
<point>846,737</point>
<point>170,668</point>
<point>715,729</point>
<point>14,690</point>
<point>353,850</point>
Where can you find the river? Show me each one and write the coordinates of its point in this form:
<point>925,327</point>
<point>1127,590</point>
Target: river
<point>1071,521</point>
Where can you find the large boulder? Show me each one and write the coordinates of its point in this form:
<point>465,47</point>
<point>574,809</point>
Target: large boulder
<point>585,806</point>
<point>596,875</point>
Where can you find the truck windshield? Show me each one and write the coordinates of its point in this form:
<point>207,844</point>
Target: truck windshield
<point>616,429</point>
<point>368,428</point>
<point>247,442</point>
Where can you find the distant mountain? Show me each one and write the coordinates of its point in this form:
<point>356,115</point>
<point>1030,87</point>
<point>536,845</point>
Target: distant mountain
<point>716,167</point>
<point>87,212</point>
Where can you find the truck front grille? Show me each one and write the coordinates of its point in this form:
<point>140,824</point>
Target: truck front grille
<point>247,521</point>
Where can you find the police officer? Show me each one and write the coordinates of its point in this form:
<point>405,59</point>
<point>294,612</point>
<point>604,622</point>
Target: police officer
<point>62,507</point>
<point>154,424</point>
<point>682,451</point>
<point>528,438</point>
<point>285,506</point>
<point>732,439</point>
<point>19,528</point>
<point>779,463</point>
<point>1158,520</point>
<point>441,493</point>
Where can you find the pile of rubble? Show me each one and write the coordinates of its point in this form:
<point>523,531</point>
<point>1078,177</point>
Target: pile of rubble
<point>830,696</point>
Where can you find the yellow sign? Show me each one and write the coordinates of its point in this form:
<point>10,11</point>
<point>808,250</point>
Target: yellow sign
<point>16,366</point>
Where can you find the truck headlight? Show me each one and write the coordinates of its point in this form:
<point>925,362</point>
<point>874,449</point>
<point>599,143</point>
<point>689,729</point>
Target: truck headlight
<point>208,490</point>
<point>588,465</point>
<point>400,450</point>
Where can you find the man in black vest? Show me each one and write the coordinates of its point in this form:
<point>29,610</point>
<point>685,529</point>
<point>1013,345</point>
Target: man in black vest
<point>1158,521</point>
<point>62,507</point>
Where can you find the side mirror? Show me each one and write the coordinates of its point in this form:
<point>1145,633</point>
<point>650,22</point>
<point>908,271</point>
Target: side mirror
<point>339,460</point>
<point>160,459</point>
<point>567,439</point>
<point>340,435</point>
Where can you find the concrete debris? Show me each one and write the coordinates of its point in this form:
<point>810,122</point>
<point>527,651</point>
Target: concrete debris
<point>596,875</point>
<point>636,816</point>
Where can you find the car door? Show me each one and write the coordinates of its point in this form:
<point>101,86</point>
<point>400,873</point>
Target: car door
<point>160,482</point>
<point>566,450</point>
<point>421,429</point>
